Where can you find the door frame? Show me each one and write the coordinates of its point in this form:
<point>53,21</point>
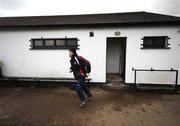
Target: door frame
<point>125,51</point>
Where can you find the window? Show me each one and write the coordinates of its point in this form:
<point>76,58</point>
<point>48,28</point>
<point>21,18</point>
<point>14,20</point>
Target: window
<point>54,43</point>
<point>60,42</point>
<point>155,42</point>
<point>38,43</point>
<point>49,42</point>
<point>71,42</point>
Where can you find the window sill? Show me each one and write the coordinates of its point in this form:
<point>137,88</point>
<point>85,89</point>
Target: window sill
<point>156,48</point>
<point>51,48</point>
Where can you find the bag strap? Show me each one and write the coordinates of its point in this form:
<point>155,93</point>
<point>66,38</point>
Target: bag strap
<point>77,60</point>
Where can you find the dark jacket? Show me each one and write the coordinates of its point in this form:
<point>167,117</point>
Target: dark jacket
<point>78,68</point>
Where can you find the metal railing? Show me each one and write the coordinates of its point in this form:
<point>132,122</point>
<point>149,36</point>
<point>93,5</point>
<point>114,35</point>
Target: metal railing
<point>171,70</point>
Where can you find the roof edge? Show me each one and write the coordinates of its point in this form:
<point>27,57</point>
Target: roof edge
<point>137,24</point>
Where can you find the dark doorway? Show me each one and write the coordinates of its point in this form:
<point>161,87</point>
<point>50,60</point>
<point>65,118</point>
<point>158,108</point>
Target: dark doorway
<point>116,57</point>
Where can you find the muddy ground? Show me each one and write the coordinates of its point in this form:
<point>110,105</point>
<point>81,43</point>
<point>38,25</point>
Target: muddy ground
<point>108,107</point>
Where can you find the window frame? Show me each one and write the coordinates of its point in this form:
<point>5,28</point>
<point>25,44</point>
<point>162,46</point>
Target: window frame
<point>166,44</point>
<point>45,47</point>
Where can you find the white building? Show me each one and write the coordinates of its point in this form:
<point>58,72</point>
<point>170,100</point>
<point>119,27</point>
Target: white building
<point>113,43</point>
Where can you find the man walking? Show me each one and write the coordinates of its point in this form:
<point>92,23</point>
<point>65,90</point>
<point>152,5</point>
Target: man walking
<point>80,68</point>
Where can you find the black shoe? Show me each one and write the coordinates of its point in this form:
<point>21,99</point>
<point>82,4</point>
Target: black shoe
<point>89,99</point>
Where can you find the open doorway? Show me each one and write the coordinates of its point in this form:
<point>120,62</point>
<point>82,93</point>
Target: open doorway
<point>116,58</point>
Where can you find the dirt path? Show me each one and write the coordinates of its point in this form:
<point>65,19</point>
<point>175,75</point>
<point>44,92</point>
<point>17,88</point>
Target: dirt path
<point>108,108</point>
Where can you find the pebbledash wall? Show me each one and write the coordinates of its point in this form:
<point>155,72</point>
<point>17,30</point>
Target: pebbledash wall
<point>19,60</point>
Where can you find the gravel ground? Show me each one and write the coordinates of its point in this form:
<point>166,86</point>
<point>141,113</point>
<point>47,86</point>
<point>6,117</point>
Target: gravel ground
<point>53,106</point>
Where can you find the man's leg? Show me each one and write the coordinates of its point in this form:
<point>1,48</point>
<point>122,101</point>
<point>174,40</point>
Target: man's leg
<point>80,94</point>
<point>85,88</point>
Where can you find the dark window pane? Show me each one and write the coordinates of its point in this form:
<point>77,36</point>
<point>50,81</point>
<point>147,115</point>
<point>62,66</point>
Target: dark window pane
<point>155,42</point>
<point>60,42</point>
<point>38,43</point>
<point>71,42</point>
<point>49,42</point>
<point>148,42</point>
<point>160,42</point>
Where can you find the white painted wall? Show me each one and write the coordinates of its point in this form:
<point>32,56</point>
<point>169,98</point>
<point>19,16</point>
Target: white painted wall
<point>157,59</point>
<point>20,61</point>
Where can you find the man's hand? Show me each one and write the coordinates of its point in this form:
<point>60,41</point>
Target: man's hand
<point>70,70</point>
<point>87,74</point>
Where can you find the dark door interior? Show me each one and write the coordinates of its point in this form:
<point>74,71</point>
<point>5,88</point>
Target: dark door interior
<point>116,56</point>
